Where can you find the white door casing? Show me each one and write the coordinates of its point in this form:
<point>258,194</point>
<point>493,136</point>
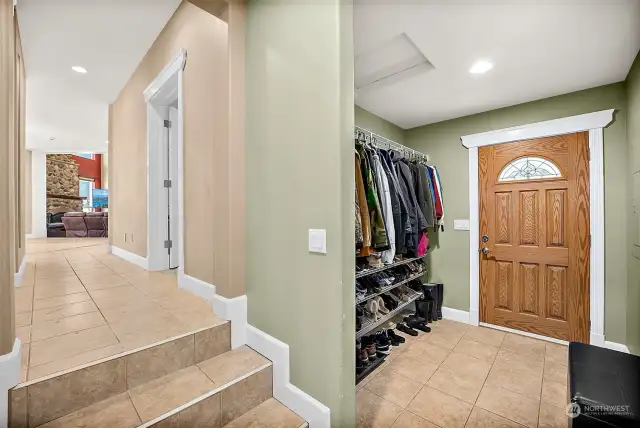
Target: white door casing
<point>592,122</point>
<point>163,92</point>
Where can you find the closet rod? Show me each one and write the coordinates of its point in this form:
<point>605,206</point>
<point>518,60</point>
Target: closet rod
<point>385,143</point>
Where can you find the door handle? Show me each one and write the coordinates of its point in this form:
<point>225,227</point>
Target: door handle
<point>485,251</point>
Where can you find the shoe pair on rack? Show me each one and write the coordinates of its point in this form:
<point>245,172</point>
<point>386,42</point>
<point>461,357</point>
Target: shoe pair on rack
<point>415,267</point>
<point>402,293</point>
<point>389,302</point>
<point>376,308</point>
<point>361,290</point>
<point>369,344</point>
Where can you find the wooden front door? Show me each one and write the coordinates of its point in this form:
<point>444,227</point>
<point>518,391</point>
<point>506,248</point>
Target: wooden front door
<point>534,236</point>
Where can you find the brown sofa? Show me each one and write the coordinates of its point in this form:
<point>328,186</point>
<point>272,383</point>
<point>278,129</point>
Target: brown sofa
<point>82,225</point>
<point>96,225</point>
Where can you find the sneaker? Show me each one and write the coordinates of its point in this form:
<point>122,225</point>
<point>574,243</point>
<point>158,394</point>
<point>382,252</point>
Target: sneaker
<point>363,357</point>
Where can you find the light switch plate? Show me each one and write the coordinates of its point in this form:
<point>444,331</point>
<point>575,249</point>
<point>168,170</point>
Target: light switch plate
<point>461,224</point>
<point>318,241</point>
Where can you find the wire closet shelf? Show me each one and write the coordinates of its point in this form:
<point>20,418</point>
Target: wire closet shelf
<point>386,144</point>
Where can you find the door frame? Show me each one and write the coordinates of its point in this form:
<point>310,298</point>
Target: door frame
<point>592,122</point>
<point>169,79</point>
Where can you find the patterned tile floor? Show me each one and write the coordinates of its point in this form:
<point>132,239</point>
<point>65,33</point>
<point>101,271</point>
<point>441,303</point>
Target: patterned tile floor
<point>77,304</point>
<point>463,376</point>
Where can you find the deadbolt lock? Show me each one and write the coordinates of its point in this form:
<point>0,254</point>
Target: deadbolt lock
<point>485,238</point>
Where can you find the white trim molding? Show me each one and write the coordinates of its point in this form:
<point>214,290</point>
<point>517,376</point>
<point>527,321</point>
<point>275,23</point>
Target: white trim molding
<point>456,315</point>
<point>308,408</point>
<point>157,161</point>
<point>128,256</point>
<point>234,310</point>
<point>565,125</point>
<point>616,347</point>
<point>9,377</point>
<point>592,122</point>
<point>196,286</point>
<point>17,277</point>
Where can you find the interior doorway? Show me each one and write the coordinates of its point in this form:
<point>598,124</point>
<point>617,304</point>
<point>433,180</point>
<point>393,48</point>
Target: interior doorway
<point>164,167</point>
<point>534,233</point>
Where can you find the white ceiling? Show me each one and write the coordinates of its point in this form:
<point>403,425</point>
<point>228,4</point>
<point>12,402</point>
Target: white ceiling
<point>107,37</point>
<point>540,49</point>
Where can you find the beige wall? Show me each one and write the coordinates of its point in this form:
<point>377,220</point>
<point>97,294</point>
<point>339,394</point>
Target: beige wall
<point>11,169</point>
<point>104,171</point>
<point>377,125</point>
<point>299,175</point>
<point>206,151</point>
<point>633,137</point>
<point>449,263</point>
<point>27,193</point>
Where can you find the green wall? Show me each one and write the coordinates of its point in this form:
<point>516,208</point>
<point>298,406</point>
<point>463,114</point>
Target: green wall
<point>378,125</point>
<point>633,137</point>
<point>300,176</point>
<point>441,141</point>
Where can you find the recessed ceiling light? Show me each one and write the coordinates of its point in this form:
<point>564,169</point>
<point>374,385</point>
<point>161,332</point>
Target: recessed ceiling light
<point>481,67</point>
<point>79,69</point>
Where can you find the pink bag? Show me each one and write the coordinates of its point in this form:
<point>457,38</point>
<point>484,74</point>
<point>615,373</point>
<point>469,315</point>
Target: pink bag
<point>423,245</point>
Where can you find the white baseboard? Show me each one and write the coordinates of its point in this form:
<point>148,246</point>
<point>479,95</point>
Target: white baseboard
<point>196,286</point>
<point>616,346</point>
<point>455,315</point>
<point>596,339</point>
<point>17,277</point>
<point>9,377</point>
<point>308,408</point>
<point>130,257</point>
<point>234,310</point>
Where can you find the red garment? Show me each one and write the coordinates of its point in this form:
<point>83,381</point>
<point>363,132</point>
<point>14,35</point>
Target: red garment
<point>438,201</point>
<point>423,245</point>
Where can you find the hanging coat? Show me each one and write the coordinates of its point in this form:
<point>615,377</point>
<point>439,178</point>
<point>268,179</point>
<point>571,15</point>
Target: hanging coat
<point>363,228</point>
<point>426,195</point>
<point>379,241</point>
<point>387,256</point>
<point>397,202</point>
<point>415,215</point>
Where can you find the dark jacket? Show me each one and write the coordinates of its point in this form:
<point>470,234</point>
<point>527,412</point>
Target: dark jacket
<point>398,205</point>
<point>404,172</point>
<point>426,195</point>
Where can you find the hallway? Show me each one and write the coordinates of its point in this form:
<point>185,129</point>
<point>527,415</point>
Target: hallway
<point>78,304</point>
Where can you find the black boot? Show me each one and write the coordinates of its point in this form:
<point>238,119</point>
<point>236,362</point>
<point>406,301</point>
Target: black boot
<point>440,288</point>
<point>422,309</point>
<point>431,295</point>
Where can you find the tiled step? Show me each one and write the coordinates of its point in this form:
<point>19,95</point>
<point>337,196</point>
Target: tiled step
<point>269,414</point>
<point>189,381</point>
<point>43,400</point>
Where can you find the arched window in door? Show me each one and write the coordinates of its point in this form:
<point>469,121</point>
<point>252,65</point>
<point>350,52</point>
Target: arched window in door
<point>529,168</point>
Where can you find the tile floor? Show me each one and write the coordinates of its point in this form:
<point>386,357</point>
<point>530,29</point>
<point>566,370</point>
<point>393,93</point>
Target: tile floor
<point>463,376</point>
<point>77,304</point>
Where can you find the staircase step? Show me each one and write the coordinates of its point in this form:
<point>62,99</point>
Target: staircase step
<point>269,414</point>
<point>190,381</point>
<point>187,397</point>
<point>38,402</point>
